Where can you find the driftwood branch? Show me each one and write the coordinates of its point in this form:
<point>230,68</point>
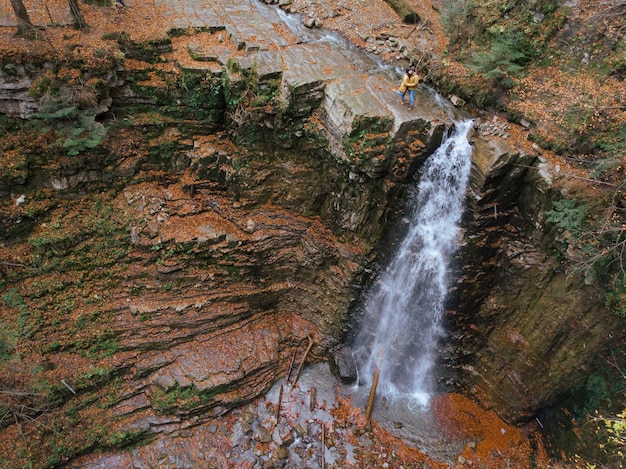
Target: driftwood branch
<point>293,359</point>
<point>323,447</point>
<point>16,264</point>
<point>49,14</point>
<point>313,401</point>
<point>370,401</point>
<point>280,398</point>
<point>68,386</point>
<point>306,352</point>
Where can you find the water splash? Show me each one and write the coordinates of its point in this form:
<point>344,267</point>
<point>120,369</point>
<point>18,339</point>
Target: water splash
<point>401,325</point>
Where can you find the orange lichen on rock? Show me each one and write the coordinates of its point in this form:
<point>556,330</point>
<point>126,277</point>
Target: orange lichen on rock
<point>402,454</point>
<point>491,443</point>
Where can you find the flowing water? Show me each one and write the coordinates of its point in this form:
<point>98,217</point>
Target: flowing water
<point>401,325</point>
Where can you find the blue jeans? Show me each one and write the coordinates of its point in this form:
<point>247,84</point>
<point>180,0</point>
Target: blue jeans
<point>411,96</point>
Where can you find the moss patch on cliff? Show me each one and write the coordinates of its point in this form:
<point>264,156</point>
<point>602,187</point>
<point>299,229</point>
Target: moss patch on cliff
<point>183,399</point>
<point>369,138</point>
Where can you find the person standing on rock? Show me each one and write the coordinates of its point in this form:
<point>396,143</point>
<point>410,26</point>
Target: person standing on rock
<point>409,83</point>
<point>402,90</point>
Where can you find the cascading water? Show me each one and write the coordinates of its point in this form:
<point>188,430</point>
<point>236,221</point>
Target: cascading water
<point>401,326</point>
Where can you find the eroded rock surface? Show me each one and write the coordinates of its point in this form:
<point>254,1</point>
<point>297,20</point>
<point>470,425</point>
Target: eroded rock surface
<point>526,330</point>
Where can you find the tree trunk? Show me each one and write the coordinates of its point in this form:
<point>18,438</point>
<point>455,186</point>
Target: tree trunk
<point>25,27</point>
<point>77,15</point>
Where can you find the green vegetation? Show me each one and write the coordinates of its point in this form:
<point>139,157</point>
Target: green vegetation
<point>368,139</point>
<point>183,398</point>
<point>595,239</point>
<point>75,254</point>
<point>68,105</point>
<point>95,377</point>
<point>497,39</point>
<point>615,428</point>
<point>201,91</point>
<point>92,230</point>
<point>16,152</point>
<point>28,322</point>
<point>123,438</point>
<point>7,343</point>
<point>576,426</point>
<point>183,99</point>
<point>502,61</point>
<point>248,96</point>
<point>536,56</point>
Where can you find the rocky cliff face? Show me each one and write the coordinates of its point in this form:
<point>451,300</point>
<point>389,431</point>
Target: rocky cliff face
<point>230,216</point>
<point>525,331</point>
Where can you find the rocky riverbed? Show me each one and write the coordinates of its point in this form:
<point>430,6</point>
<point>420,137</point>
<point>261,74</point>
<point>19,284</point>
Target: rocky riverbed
<point>314,422</point>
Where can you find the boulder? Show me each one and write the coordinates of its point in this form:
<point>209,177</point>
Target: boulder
<point>343,366</point>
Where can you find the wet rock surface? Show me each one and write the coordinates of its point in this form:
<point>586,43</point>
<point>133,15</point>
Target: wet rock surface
<point>213,266</point>
<point>522,324</point>
<point>343,365</point>
<point>312,422</point>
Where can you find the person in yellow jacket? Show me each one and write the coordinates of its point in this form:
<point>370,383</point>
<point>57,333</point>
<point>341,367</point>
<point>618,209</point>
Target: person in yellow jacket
<point>409,83</point>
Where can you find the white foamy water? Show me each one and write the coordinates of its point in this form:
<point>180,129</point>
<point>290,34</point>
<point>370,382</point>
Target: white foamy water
<point>401,325</point>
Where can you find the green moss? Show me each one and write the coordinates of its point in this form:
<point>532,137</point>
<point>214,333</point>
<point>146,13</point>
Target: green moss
<point>7,343</point>
<point>95,378</point>
<point>149,51</point>
<point>369,139</point>
<point>124,438</point>
<point>184,398</point>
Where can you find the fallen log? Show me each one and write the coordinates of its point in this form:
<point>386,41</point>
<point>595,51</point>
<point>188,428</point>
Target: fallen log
<point>404,11</point>
<point>313,401</point>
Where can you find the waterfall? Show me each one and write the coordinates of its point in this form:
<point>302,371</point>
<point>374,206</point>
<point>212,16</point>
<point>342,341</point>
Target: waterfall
<point>401,324</point>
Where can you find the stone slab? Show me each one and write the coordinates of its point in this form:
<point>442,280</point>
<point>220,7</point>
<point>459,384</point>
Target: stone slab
<point>247,26</point>
<point>309,65</point>
<point>269,64</point>
<point>347,100</point>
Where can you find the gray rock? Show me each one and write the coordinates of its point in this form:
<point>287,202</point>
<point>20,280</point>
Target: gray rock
<point>264,435</point>
<point>457,101</point>
<point>342,364</point>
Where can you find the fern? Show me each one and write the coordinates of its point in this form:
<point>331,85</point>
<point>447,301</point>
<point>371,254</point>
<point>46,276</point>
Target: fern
<point>50,115</point>
<point>88,134</point>
<point>614,147</point>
